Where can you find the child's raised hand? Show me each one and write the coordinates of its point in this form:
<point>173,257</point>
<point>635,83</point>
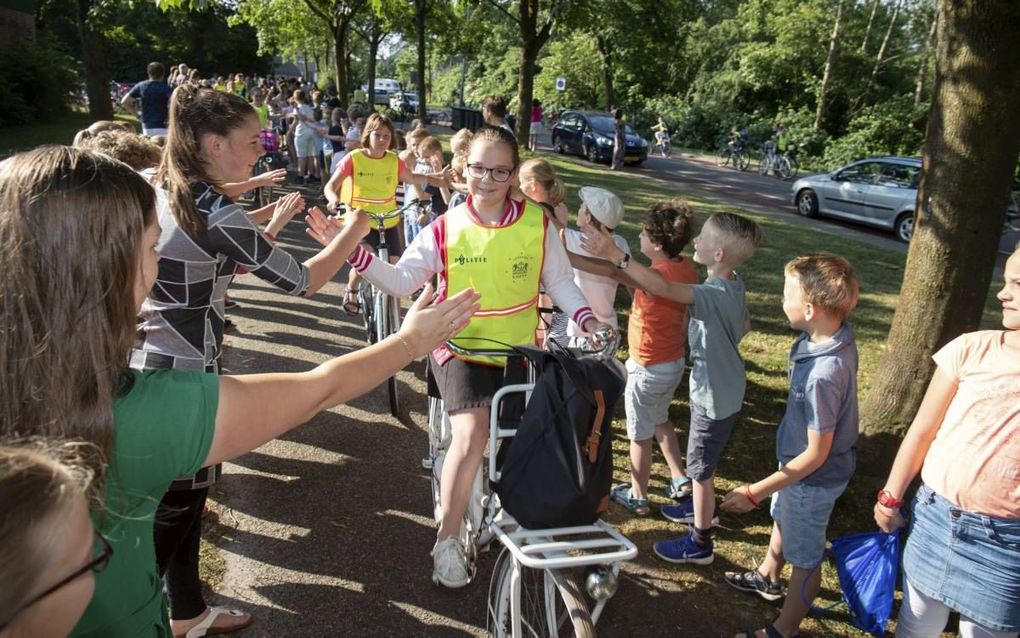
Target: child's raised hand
<point>427,325</point>
<point>288,206</point>
<point>736,501</point>
<point>599,242</point>
<point>358,222</point>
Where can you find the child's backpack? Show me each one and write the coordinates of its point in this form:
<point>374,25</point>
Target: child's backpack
<point>270,142</point>
<point>557,470</point>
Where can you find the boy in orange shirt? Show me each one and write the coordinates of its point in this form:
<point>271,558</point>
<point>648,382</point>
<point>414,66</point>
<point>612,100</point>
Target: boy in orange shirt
<point>656,336</point>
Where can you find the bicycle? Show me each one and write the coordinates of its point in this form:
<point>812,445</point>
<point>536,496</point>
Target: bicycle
<point>787,164</point>
<point>734,153</point>
<point>536,588</point>
<point>380,310</point>
<point>663,143</point>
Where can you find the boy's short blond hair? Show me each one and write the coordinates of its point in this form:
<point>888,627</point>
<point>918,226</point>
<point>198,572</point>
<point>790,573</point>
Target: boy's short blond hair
<point>742,236</point>
<point>828,282</point>
<point>428,145</point>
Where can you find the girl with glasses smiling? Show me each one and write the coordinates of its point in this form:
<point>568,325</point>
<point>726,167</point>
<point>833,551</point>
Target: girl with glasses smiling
<point>48,550</point>
<point>504,249</point>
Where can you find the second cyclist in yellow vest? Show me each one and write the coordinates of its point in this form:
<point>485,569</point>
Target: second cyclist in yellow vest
<point>503,248</point>
<point>367,178</point>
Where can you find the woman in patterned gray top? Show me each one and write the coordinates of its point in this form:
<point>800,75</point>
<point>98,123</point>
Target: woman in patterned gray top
<point>213,141</point>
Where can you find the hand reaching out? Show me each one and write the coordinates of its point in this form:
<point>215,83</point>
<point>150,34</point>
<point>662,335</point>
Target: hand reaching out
<point>736,501</point>
<point>427,325</point>
<point>320,228</point>
<point>273,178</point>
<point>600,243</point>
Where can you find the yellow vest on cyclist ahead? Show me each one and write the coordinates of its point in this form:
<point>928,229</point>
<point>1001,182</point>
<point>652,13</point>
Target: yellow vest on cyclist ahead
<point>505,265</point>
<point>373,184</point>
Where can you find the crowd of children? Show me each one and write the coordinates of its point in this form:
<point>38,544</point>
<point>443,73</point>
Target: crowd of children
<point>491,215</point>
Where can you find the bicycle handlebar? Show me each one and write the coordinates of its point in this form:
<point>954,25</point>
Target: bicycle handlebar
<point>381,217</point>
<point>606,341</point>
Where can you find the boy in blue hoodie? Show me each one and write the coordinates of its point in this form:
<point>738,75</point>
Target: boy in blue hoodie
<point>815,440</point>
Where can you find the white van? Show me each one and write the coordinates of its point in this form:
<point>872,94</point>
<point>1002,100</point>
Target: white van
<point>386,84</point>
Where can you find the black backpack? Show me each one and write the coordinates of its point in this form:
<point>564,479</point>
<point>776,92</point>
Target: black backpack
<point>558,469</point>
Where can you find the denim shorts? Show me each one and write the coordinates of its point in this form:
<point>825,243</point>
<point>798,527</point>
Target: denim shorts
<point>970,562</point>
<point>802,513</point>
<point>648,395</point>
<point>705,442</point>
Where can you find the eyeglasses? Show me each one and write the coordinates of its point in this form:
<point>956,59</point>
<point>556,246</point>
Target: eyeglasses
<point>97,564</point>
<point>498,174</point>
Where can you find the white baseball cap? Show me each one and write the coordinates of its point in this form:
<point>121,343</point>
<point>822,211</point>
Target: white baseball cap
<point>602,205</point>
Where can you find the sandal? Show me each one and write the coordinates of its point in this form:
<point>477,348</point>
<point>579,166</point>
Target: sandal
<point>351,303</point>
<point>679,489</point>
<point>621,494</point>
<point>206,627</point>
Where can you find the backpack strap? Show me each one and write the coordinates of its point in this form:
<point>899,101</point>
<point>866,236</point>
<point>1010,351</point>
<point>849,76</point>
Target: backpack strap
<point>595,432</point>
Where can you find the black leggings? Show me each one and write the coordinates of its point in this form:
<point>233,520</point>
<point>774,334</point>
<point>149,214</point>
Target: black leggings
<point>178,531</point>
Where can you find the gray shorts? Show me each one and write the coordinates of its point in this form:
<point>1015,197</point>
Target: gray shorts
<point>705,442</point>
<point>648,395</point>
<point>802,514</point>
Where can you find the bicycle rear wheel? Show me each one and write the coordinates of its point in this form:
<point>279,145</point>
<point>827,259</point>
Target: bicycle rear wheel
<point>386,317</point>
<point>763,166</point>
<point>783,168</point>
<point>552,602</point>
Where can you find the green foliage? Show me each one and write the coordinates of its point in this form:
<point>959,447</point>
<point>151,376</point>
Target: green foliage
<point>576,59</point>
<point>36,83</point>
<point>894,127</point>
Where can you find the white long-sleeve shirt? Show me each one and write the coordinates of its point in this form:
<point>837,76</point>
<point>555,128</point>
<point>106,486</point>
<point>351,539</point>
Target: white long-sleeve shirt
<point>424,258</point>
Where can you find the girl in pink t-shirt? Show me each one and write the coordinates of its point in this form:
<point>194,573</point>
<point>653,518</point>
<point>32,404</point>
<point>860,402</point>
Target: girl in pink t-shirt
<point>963,552</point>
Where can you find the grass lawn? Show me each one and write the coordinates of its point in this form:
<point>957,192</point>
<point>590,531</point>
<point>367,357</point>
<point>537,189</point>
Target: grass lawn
<point>750,454</point>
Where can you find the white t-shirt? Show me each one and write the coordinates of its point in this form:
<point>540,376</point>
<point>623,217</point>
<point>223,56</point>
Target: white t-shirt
<point>598,290</point>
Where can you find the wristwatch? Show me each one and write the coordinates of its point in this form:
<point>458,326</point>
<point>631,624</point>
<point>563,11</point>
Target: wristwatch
<point>624,262</point>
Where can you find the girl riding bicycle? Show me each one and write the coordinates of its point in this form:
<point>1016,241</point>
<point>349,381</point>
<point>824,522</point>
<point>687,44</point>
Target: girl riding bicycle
<point>502,248</point>
<point>367,179</point>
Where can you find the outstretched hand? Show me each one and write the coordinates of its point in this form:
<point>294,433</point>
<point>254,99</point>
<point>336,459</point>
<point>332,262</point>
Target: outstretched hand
<point>320,228</point>
<point>427,325</point>
<point>599,242</point>
<point>288,206</point>
<point>273,178</point>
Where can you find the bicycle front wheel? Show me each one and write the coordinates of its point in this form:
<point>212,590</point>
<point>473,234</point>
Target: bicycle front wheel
<point>552,602</point>
<point>783,169</point>
<point>741,160</point>
<point>386,319</point>
<point>723,157</point>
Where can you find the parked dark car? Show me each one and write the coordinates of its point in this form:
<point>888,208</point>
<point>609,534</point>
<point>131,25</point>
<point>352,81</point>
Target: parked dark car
<point>590,134</point>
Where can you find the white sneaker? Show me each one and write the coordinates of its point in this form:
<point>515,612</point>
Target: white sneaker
<point>449,563</point>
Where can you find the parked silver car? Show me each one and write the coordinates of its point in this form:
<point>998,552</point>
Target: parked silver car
<point>880,191</point>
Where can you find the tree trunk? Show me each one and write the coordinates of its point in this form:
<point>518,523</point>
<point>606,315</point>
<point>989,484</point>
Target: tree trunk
<point>922,68</point>
<point>607,70</point>
<point>339,29</point>
<point>374,36</point>
<point>880,56</point>
<point>97,75</point>
<point>532,41</point>
<point>421,9</point>
<point>867,31</point>
<point>830,61</point>
<point>969,156</point>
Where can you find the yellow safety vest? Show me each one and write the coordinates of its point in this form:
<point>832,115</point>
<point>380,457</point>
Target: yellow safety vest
<point>373,184</point>
<point>505,265</point>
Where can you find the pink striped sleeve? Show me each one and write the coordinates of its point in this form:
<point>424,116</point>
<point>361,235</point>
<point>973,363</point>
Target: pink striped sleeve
<point>361,258</point>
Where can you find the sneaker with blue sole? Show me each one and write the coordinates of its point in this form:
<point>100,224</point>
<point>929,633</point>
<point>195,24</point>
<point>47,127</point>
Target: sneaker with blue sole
<point>683,513</point>
<point>685,550</point>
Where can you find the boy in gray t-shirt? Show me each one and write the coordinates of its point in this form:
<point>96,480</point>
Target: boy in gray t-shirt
<point>718,321</point>
<point>815,441</point>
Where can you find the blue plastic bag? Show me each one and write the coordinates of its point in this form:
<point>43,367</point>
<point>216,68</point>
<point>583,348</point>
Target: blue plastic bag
<point>868,566</point>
